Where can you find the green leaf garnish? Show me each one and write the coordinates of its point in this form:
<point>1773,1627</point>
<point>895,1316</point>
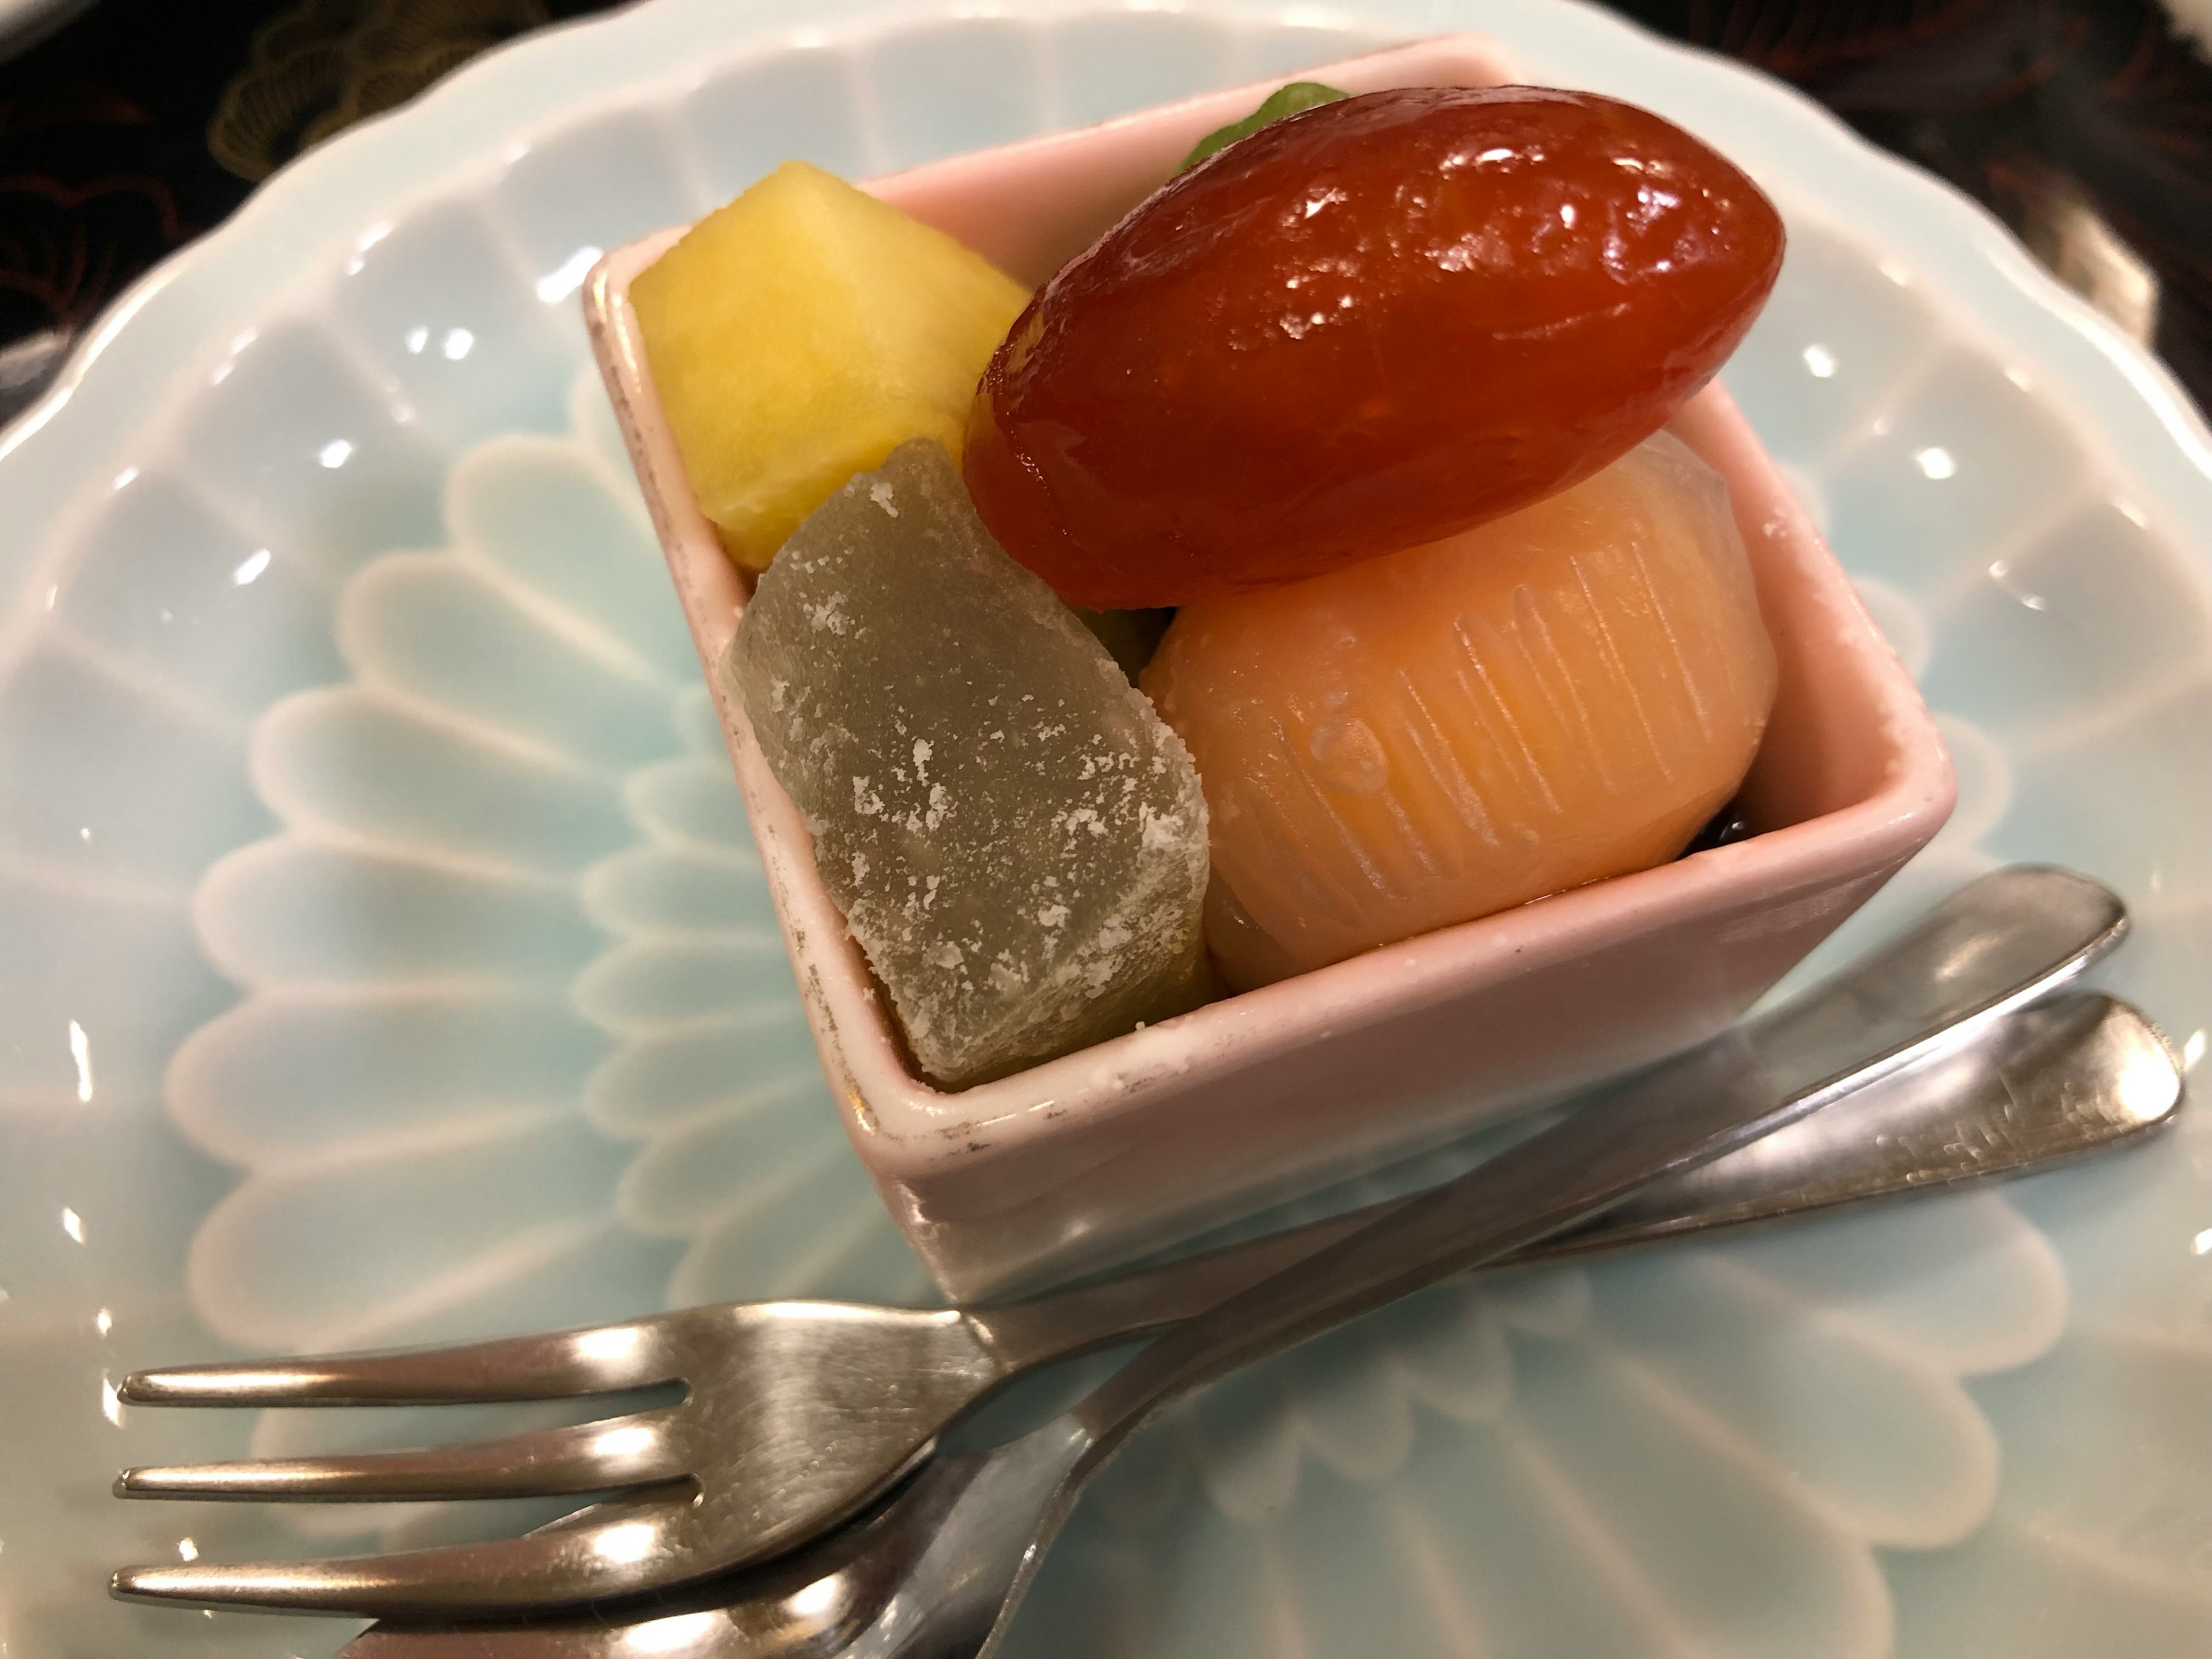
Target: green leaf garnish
<point>1291,99</point>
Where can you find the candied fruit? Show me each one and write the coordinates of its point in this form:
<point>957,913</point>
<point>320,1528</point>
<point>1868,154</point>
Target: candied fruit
<point>1015,838</point>
<point>1363,328</point>
<point>799,334</point>
<point>1562,694</point>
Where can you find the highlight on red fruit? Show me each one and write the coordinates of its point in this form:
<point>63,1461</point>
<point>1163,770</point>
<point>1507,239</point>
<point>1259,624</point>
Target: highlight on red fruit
<point>1363,328</point>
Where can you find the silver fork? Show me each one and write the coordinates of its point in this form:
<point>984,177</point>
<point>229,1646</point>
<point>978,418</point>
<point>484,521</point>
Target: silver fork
<point>936,1571</point>
<point>798,1414</point>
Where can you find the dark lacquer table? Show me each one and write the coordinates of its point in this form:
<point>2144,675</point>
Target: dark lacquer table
<point>138,125</point>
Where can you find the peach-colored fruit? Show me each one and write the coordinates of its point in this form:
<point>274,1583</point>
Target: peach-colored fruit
<point>1557,696</point>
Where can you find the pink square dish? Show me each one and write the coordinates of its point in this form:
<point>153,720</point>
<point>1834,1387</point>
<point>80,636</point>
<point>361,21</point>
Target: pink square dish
<point>1152,1137</point>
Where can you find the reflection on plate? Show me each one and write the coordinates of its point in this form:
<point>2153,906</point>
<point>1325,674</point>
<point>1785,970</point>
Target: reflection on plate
<point>393,964</point>
<point>24,23</point>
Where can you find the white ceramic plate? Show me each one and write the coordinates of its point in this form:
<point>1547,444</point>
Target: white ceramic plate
<point>382,958</point>
<point>24,23</point>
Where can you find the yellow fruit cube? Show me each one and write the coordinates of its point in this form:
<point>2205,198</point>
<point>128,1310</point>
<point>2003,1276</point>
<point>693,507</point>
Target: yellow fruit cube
<point>800,334</point>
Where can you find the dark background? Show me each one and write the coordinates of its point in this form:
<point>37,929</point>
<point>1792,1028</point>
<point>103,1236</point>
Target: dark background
<point>2086,125</point>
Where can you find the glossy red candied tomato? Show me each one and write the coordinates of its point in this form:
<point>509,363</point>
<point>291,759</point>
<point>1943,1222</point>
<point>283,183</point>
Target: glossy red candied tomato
<point>1363,328</point>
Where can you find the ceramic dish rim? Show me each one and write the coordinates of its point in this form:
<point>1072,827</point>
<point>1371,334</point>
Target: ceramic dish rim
<point>2085,351</point>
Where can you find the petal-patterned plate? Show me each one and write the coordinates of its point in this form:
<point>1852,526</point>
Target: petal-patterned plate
<point>385,959</point>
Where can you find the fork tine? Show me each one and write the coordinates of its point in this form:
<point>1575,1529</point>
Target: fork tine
<point>556,1565</point>
<point>598,1457</point>
<point>559,1365</point>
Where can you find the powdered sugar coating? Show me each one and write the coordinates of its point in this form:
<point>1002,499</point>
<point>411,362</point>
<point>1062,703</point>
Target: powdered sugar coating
<point>1016,840</point>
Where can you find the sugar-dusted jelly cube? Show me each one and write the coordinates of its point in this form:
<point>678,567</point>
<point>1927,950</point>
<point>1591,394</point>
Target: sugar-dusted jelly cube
<point>1015,838</point>
<point>1562,694</point>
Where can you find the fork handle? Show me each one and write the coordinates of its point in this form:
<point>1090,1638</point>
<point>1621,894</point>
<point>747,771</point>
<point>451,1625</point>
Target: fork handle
<point>1975,947</point>
<point>2002,942</point>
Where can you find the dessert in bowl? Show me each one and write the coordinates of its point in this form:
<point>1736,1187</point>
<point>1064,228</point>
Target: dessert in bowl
<point>1344,1051</point>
